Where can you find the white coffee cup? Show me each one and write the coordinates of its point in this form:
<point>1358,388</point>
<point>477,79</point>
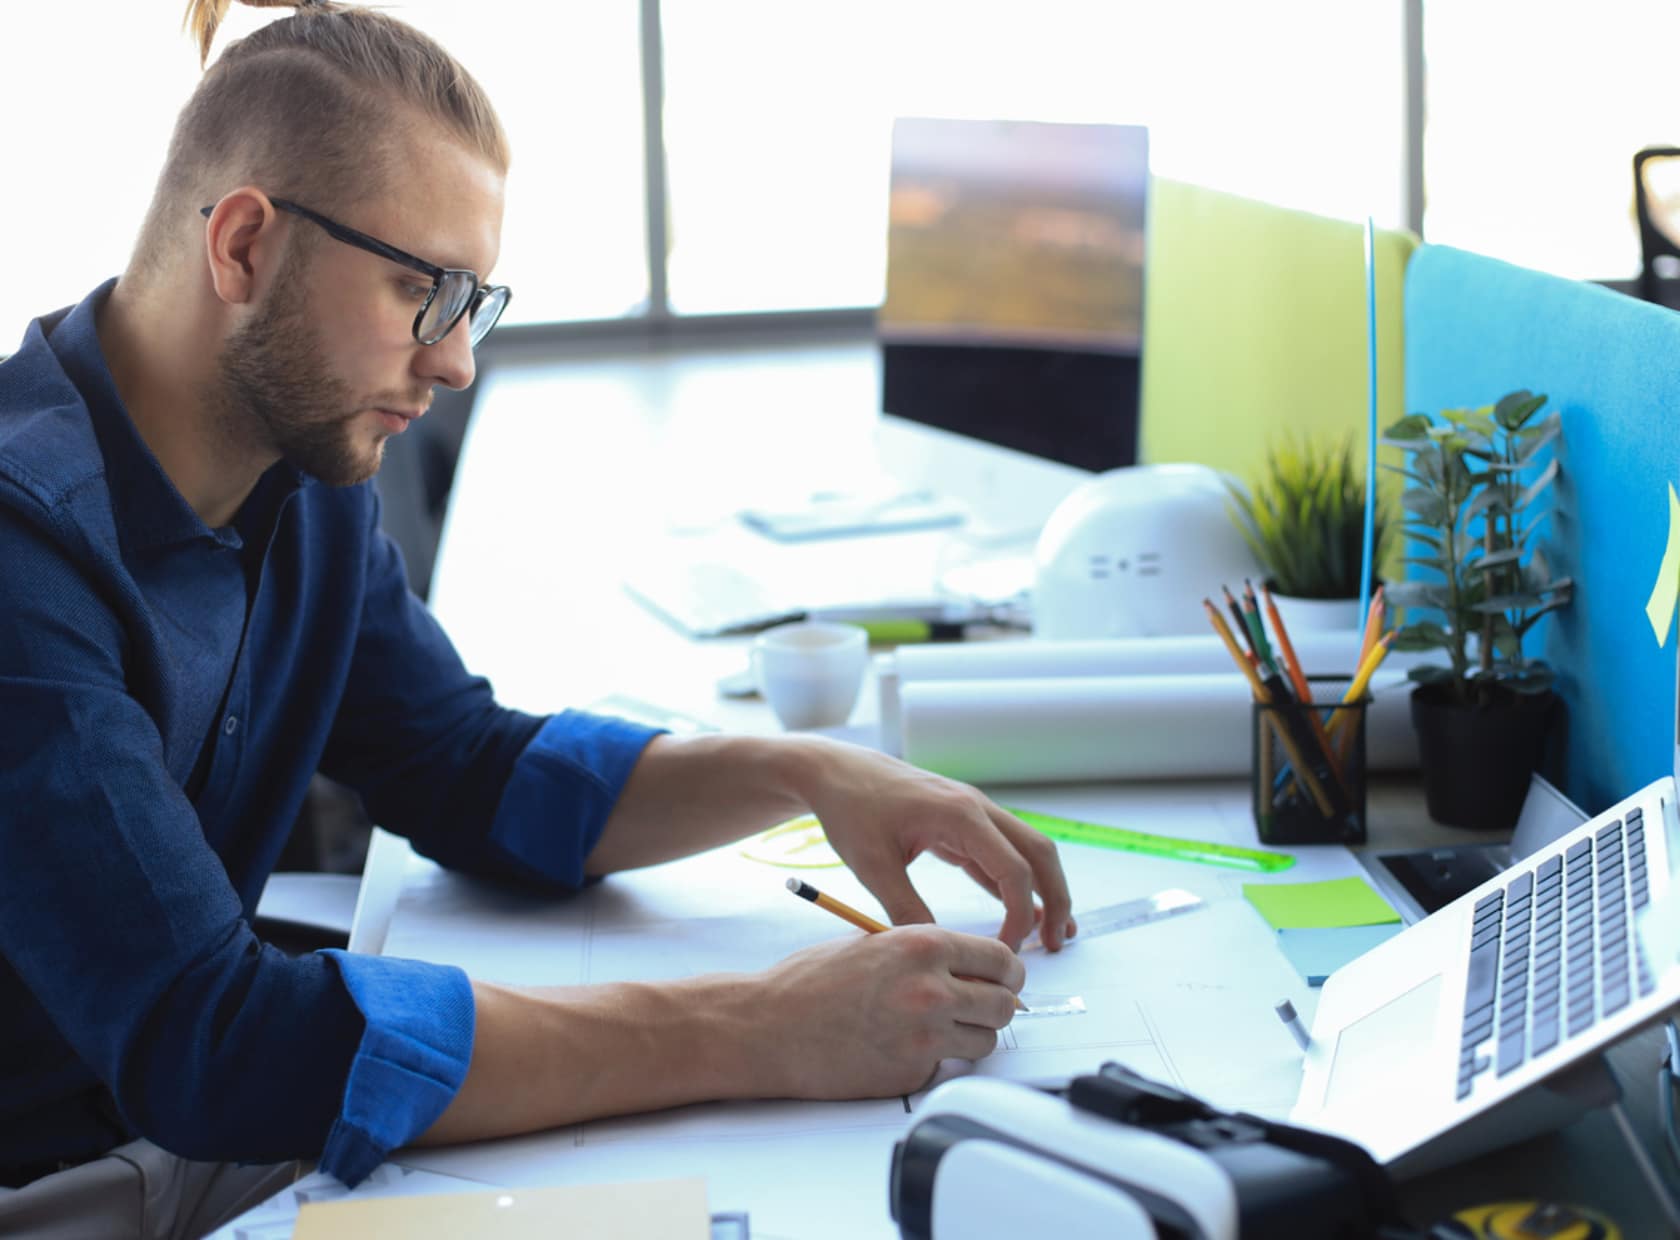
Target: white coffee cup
<point>810,671</point>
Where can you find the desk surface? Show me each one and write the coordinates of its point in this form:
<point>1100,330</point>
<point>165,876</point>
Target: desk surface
<point>566,473</point>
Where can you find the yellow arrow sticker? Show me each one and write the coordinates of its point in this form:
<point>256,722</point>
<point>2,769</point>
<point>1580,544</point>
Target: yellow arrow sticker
<point>1660,608</point>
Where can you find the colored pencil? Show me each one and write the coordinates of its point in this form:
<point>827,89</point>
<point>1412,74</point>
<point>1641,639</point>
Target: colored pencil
<point>1303,688</point>
<point>1292,665</point>
<point>1342,731</point>
<point>1261,694</point>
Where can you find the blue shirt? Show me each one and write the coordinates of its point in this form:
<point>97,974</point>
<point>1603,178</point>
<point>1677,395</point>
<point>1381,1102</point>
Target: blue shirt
<point>166,692</point>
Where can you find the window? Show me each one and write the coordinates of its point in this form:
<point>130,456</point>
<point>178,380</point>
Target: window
<point>1533,123</point>
<point>566,81</point>
<point>778,117</point>
<point>777,121</point>
<point>81,170</point>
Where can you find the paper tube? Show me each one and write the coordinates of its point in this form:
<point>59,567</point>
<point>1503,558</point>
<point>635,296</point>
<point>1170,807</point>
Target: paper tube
<point>1069,729</point>
<point>1321,654</point>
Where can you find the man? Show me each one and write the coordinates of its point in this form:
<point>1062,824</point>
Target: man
<point>197,611</point>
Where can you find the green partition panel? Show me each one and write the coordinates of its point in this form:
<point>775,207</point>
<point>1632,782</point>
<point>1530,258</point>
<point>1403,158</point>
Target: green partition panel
<point>1254,323</point>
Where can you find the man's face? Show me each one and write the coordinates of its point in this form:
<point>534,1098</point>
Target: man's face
<point>327,367</point>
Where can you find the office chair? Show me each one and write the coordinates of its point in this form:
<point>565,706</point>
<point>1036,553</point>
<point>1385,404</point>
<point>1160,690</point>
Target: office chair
<point>1659,229</point>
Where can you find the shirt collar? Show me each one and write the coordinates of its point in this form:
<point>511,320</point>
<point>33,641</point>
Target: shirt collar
<point>149,510</point>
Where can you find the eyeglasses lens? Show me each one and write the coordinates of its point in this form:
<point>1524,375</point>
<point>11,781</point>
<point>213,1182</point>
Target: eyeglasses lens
<point>484,316</point>
<point>454,291</point>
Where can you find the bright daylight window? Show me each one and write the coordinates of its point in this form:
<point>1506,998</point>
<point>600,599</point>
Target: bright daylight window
<point>778,123</point>
<point>91,90</point>
<point>778,116</point>
<point>1532,125</point>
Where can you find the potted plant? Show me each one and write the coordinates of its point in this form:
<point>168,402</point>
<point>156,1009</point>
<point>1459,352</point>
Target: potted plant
<point>1472,507</point>
<point>1305,522</point>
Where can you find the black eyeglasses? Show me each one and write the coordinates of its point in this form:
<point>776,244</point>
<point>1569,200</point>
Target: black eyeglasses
<point>455,291</point>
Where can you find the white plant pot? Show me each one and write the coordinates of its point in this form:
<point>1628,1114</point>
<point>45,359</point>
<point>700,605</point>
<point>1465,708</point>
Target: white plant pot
<point>1317,615</point>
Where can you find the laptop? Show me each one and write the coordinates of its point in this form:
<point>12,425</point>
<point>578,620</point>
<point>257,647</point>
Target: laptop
<point>1458,1035</point>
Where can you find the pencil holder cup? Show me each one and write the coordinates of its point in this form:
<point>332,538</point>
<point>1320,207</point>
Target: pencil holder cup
<point>1308,772</point>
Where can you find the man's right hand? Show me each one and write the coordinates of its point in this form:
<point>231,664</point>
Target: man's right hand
<point>872,1017</point>
<point>866,1017</point>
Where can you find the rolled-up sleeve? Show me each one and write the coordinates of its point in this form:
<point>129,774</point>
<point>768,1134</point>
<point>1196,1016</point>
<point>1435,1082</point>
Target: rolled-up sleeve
<point>563,788</point>
<point>475,786</point>
<point>410,1063</point>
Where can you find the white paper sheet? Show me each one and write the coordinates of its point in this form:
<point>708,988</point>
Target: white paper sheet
<point>1187,1000</point>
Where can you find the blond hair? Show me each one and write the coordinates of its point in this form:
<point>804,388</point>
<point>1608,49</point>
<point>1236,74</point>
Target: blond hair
<point>311,106</point>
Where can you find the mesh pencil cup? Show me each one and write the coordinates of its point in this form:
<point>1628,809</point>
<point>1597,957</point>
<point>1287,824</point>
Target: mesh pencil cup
<point>1308,771</point>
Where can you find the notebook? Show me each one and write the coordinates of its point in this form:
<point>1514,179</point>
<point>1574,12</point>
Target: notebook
<point>1434,1046</point>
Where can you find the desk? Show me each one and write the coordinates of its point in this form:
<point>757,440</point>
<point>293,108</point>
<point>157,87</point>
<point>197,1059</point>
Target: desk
<point>526,583</point>
<point>1163,998</point>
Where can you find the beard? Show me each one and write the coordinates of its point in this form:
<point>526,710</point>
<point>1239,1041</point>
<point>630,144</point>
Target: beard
<point>278,396</point>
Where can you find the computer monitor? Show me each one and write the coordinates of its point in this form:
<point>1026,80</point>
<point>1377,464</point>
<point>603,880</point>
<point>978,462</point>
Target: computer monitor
<point>1015,267</point>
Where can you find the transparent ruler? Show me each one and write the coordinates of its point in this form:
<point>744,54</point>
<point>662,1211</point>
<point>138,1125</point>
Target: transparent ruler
<point>1128,913</point>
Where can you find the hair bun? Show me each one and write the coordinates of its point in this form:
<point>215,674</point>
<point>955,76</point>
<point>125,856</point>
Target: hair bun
<point>204,18</point>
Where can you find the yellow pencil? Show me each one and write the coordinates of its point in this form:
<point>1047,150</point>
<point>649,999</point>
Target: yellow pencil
<point>845,912</point>
<point>1374,618</point>
<point>1361,681</point>
<point>1237,656</point>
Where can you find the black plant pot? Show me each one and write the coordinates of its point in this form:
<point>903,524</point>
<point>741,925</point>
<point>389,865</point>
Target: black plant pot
<point>1477,760</point>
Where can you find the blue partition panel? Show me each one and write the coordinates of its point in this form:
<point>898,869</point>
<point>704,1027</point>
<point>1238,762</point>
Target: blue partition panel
<point>1476,328</point>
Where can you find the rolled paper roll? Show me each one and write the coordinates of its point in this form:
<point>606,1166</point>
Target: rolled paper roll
<point>1066,729</point>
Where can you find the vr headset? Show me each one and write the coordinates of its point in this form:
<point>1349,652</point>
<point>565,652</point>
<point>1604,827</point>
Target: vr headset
<point>1116,1155</point>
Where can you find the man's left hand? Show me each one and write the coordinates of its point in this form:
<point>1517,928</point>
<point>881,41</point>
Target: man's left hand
<point>880,814</point>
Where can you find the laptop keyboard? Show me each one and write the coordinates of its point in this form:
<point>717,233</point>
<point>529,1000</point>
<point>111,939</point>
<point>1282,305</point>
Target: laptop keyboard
<point>1554,951</point>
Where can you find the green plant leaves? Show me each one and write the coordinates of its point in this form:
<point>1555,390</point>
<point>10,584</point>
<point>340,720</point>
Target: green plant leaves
<point>1305,518</point>
<point>1473,518</point>
<point>1429,507</point>
<point>1533,490</point>
<point>1516,408</point>
<point>1421,636</point>
<point>1429,674</point>
<point>1412,427</point>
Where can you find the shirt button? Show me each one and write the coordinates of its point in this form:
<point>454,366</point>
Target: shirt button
<point>230,725</point>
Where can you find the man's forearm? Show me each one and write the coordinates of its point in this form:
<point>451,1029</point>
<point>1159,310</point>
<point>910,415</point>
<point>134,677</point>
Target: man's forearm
<point>687,794</point>
<point>543,1058</point>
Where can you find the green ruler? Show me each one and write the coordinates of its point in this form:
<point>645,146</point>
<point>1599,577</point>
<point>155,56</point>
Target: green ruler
<point>1202,851</point>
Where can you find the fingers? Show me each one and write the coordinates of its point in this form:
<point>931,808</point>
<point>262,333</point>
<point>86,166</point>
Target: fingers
<point>1045,865</point>
<point>982,1005</point>
<point>980,959</point>
<point>964,989</point>
<point>903,906</point>
<point>1009,875</point>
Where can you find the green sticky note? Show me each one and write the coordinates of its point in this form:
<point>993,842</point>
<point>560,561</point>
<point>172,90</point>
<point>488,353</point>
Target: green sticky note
<point>1659,609</point>
<point>1308,906</point>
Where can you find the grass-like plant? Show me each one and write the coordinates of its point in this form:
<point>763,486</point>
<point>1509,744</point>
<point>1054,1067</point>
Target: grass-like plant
<point>1305,518</point>
<point>1473,518</point>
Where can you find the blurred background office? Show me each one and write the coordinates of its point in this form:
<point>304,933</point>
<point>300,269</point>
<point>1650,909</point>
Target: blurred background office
<point>760,172</point>
<point>714,173</point>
